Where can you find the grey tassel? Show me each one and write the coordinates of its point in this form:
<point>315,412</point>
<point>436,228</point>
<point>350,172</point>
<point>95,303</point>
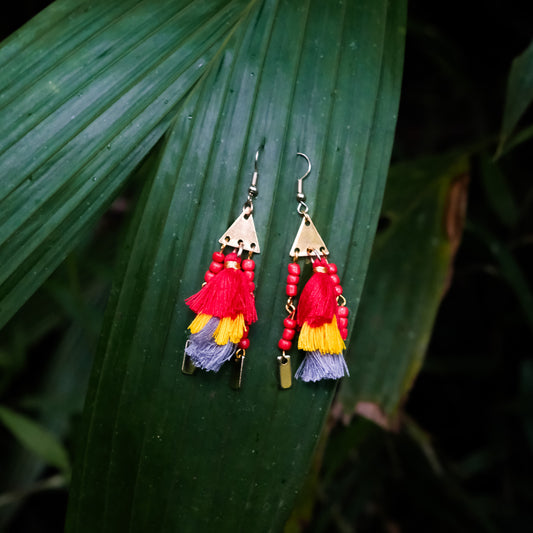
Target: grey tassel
<point>204,352</point>
<point>317,366</point>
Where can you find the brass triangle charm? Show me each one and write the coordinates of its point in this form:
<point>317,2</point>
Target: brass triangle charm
<point>242,230</point>
<point>307,240</point>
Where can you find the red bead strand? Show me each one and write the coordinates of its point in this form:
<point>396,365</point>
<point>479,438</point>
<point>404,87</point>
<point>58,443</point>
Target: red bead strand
<point>292,279</point>
<point>216,266</point>
<point>248,266</point>
<point>342,310</point>
<point>289,331</point>
<point>289,324</point>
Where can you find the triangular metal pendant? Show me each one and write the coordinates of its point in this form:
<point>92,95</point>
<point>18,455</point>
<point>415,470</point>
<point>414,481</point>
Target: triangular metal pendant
<point>307,240</point>
<point>242,231</point>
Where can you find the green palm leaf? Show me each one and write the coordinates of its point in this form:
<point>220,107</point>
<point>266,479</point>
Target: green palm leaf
<point>424,205</point>
<point>517,99</point>
<point>87,89</point>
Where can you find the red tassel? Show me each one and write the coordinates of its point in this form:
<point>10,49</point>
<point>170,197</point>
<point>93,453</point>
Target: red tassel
<point>227,294</point>
<point>318,302</point>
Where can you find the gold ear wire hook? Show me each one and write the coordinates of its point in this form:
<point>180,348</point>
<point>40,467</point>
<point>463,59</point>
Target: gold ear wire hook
<point>252,190</point>
<point>300,196</point>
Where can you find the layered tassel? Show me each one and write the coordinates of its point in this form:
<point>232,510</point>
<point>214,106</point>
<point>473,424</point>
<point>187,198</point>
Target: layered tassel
<point>225,308</point>
<point>322,323</point>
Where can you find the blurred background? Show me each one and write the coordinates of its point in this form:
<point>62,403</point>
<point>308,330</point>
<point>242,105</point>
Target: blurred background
<point>460,455</point>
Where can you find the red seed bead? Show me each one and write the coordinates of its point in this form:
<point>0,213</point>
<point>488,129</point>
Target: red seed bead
<point>344,333</point>
<point>336,280</point>
<point>248,264</point>
<point>343,311</point>
<point>288,334</point>
<point>290,323</point>
<point>294,269</point>
<point>251,286</point>
<point>284,344</point>
<point>218,257</point>
<point>332,268</point>
<point>292,279</point>
<point>244,344</point>
<point>216,267</point>
<point>338,290</point>
<point>208,276</point>
<point>292,290</point>
<point>249,275</point>
<point>342,322</point>
<point>245,334</point>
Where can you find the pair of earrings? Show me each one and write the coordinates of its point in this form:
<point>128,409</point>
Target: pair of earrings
<point>225,305</point>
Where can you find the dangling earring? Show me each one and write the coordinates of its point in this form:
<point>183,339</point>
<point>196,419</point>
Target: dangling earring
<point>321,315</point>
<point>225,305</point>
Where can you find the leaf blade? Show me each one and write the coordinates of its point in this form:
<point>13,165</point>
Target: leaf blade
<point>518,96</point>
<point>399,304</point>
<point>36,438</point>
<point>173,442</point>
<point>77,167</point>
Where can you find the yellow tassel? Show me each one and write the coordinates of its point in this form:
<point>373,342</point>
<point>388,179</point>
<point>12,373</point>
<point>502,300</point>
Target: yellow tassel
<point>199,323</point>
<point>229,330</point>
<point>325,338</point>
